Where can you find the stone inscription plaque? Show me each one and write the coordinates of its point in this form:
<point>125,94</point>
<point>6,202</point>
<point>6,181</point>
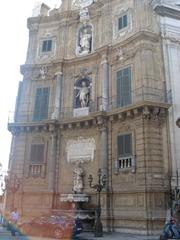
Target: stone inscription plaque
<point>80,150</point>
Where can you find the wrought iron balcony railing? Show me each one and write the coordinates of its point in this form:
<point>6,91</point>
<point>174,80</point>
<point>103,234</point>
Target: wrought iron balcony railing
<point>116,102</point>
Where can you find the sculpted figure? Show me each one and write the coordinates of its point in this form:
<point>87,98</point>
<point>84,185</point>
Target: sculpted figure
<point>85,41</point>
<point>83,94</point>
<point>78,179</point>
<point>43,72</point>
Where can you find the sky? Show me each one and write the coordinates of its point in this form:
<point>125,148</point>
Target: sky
<point>13,48</point>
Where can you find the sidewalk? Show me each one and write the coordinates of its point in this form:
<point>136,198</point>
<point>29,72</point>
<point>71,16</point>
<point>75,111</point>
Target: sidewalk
<point>6,235</point>
<point>116,236</point>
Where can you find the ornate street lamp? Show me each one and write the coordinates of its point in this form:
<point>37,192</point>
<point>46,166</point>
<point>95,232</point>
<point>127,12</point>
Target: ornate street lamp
<point>98,187</point>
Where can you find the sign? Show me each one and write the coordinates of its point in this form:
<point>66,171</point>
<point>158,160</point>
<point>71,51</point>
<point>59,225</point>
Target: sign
<point>80,150</point>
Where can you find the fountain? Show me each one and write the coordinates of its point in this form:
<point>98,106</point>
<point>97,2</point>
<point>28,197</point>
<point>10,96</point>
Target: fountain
<point>78,199</point>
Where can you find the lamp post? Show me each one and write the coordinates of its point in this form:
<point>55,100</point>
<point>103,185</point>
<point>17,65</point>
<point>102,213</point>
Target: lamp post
<point>98,187</point>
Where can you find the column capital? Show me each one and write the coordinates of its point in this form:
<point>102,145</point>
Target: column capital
<point>104,59</point>
<point>102,123</point>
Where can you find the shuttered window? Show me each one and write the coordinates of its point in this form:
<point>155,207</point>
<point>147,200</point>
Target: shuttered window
<point>41,104</point>
<point>122,22</point>
<point>37,153</point>
<point>124,145</point>
<point>124,96</point>
<point>47,46</point>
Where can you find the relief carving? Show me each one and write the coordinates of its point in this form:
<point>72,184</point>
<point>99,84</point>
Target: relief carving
<point>80,150</point>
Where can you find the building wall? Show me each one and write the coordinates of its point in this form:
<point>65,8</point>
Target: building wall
<point>169,25</point>
<point>135,198</point>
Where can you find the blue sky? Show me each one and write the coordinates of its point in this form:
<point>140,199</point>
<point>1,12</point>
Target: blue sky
<point>13,48</point>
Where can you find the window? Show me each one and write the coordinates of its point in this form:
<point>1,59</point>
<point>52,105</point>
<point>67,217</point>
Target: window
<point>124,95</point>
<point>37,153</point>
<point>47,46</point>
<point>125,145</point>
<point>122,22</point>
<point>41,104</point>
<point>125,158</point>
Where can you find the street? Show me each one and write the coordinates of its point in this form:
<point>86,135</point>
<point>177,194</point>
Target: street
<point>6,235</point>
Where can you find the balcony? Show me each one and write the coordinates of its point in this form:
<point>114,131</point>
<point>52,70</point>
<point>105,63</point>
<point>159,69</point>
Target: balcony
<point>37,170</point>
<point>139,95</point>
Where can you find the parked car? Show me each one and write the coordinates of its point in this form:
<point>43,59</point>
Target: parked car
<point>53,226</point>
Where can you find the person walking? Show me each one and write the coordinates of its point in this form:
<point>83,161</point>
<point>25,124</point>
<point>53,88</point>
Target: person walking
<point>14,216</point>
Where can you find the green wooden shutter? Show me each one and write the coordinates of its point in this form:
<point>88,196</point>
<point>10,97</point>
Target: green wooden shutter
<point>124,144</point>
<point>128,144</point>
<point>37,153</point>
<point>120,145</point>
<point>44,46</point>
<point>125,21</point>
<point>120,23</point>
<point>49,45</point>
<point>44,103</point>
<point>119,88</point>
<point>41,104</point>
<point>124,96</point>
<point>37,106</point>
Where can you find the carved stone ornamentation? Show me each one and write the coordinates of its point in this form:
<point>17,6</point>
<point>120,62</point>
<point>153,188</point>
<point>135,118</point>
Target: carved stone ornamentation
<point>80,150</point>
<point>43,72</point>
<point>78,175</point>
<point>84,41</point>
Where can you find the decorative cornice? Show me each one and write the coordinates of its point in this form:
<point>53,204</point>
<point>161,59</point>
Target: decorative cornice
<point>167,10</point>
<point>148,110</point>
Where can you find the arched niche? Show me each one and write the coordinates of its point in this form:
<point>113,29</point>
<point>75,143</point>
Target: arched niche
<point>82,93</point>
<point>84,40</point>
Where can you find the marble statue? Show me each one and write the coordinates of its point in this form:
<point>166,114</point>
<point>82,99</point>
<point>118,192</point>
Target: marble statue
<point>78,179</point>
<point>85,41</point>
<point>83,95</point>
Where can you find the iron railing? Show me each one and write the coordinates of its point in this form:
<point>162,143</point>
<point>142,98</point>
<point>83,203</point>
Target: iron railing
<point>116,102</point>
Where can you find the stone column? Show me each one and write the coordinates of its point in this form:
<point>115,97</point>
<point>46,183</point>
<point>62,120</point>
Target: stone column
<point>104,150</point>
<point>105,84</point>
<point>52,162</point>
<point>57,102</point>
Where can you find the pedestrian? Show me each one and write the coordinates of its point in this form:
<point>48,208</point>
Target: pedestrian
<point>14,216</point>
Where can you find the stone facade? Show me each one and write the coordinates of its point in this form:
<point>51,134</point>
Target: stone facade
<point>125,40</point>
<point>170,25</point>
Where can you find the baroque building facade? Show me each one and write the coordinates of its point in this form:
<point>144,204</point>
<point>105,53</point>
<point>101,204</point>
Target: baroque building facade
<point>93,96</point>
<point>169,18</point>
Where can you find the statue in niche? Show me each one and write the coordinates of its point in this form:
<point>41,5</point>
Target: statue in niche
<point>78,175</point>
<point>82,94</point>
<point>85,40</point>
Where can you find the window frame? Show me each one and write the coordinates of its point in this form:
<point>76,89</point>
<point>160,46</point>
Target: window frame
<point>128,160</point>
<point>45,44</point>
<point>37,168</point>
<point>122,17</point>
<point>121,34</point>
<point>41,115</point>
<point>121,104</point>
<point>33,162</point>
<point>123,135</point>
<point>46,54</point>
